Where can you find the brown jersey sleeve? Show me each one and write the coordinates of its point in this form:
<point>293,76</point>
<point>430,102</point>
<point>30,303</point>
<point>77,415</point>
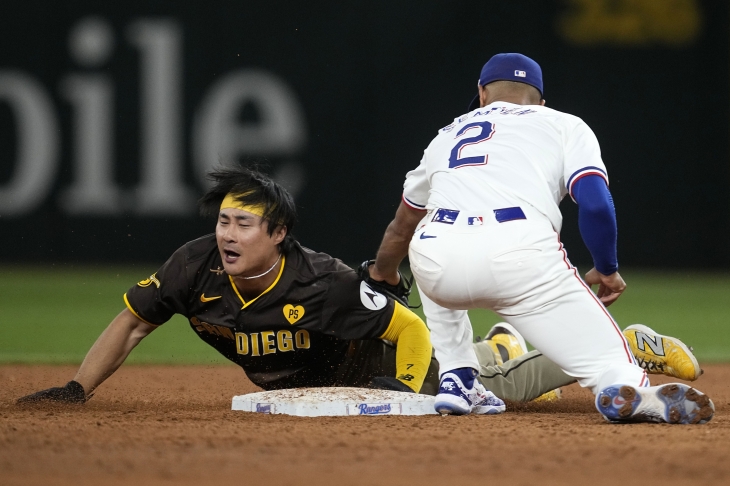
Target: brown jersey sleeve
<point>165,293</point>
<point>352,310</point>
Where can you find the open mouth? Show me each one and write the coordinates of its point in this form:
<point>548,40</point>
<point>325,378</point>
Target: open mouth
<point>230,256</point>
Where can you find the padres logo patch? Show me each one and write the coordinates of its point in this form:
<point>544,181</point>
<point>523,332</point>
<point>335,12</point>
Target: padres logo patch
<point>293,314</point>
<point>149,281</point>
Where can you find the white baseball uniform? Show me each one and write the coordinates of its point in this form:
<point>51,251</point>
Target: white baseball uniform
<point>491,182</point>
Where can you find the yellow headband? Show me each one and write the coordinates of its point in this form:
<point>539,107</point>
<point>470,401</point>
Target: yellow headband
<point>230,201</point>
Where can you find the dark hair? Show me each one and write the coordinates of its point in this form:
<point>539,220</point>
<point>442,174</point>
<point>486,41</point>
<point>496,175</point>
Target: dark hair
<point>252,187</point>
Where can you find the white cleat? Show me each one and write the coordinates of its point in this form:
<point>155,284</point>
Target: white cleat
<point>674,403</point>
<point>455,399</point>
<point>487,403</point>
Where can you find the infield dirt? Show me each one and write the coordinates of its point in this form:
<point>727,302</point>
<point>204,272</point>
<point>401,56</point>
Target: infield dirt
<point>173,425</point>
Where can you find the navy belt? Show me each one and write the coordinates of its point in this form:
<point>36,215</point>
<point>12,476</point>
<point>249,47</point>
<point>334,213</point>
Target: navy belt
<point>503,215</point>
<point>509,214</point>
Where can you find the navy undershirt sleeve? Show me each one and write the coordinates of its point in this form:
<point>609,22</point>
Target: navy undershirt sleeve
<point>597,221</point>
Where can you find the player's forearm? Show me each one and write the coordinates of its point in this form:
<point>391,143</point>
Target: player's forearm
<point>394,247</point>
<point>413,353</point>
<point>597,222</point>
<point>111,349</point>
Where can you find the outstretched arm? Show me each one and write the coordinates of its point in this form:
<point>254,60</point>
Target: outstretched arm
<point>106,355</point>
<point>111,349</point>
<point>394,247</point>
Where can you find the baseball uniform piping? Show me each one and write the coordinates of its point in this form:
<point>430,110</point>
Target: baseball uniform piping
<point>644,379</point>
<point>131,309</point>
<point>246,304</point>
<point>579,174</point>
<point>596,300</point>
<point>412,204</point>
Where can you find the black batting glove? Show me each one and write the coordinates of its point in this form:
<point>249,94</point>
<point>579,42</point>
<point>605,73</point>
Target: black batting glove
<point>71,392</point>
<point>398,292</point>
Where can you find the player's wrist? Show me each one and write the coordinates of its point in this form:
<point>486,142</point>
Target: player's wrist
<point>383,275</point>
<point>606,270</point>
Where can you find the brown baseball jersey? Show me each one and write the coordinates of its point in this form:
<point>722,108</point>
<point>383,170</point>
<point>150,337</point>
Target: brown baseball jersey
<point>295,334</point>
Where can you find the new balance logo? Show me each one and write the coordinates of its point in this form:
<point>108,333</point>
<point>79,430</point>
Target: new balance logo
<point>656,344</point>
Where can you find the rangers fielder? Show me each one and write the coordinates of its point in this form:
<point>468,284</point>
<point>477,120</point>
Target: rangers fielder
<point>480,222</point>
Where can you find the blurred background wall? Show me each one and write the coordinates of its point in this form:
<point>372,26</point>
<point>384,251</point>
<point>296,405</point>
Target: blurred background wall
<point>111,113</point>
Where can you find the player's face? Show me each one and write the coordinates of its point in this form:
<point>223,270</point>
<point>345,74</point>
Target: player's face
<point>244,243</point>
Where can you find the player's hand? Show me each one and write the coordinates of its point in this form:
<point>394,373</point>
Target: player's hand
<point>393,279</point>
<point>389,383</point>
<point>71,392</point>
<point>610,287</point>
<point>400,290</point>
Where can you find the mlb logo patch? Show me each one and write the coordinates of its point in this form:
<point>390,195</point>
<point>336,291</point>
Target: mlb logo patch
<point>521,74</point>
<point>475,221</point>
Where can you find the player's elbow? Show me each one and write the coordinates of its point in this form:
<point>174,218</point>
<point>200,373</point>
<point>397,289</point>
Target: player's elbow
<point>596,209</point>
<point>140,331</point>
<point>132,326</point>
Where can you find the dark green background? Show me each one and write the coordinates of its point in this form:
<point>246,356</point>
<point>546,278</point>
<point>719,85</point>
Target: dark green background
<point>54,315</point>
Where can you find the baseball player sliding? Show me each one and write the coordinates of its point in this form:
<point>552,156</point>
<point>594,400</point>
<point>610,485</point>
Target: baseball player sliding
<point>291,317</point>
<point>480,222</point>
<point>288,316</point>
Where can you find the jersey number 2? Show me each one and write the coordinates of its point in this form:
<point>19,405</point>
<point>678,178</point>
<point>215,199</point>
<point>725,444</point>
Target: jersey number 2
<point>456,160</point>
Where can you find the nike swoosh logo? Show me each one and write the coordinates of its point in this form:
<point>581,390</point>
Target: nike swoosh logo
<point>203,298</point>
<point>424,236</point>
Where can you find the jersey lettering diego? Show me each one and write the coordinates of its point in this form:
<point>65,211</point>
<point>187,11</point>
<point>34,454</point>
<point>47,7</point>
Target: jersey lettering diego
<point>296,334</point>
<point>503,155</point>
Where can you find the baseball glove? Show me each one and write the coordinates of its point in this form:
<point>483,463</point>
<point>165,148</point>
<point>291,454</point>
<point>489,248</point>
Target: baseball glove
<point>71,392</point>
<point>399,292</point>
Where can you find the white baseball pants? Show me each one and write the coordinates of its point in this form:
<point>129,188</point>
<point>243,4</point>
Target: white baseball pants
<point>519,270</point>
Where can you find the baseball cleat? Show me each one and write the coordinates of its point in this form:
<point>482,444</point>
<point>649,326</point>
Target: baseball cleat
<point>551,396</point>
<point>487,403</point>
<point>454,398</point>
<point>506,342</point>
<point>659,354</point>
<point>674,403</point>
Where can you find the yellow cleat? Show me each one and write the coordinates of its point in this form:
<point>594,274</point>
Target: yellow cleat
<point>662,355</point>
<point>506,342</point>
<point>550,396</point>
